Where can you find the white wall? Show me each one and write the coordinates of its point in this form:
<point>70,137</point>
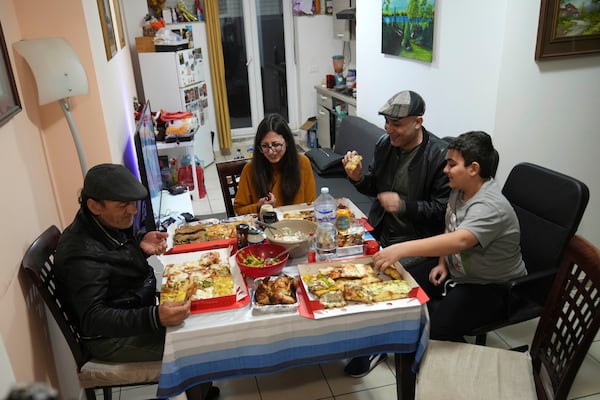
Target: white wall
<point>484,77</point>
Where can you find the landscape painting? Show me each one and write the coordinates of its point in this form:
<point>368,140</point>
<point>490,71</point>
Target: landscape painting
<point>578,18</point>
<point>407,28</point>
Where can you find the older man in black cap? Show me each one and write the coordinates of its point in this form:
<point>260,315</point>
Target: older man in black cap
<point>408,180</point>
<point>104,279</point>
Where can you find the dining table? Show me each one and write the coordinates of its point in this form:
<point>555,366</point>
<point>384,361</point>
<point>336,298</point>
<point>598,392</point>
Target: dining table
<point>239,342</point>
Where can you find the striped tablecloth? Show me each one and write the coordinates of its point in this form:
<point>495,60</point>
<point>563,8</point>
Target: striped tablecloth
<point>236,343</point>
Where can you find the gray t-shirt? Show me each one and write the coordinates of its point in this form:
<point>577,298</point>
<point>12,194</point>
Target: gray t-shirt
<point>490,217</point>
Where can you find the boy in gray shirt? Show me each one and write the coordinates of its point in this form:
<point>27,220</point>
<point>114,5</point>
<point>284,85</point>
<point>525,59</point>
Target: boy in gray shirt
<point>480,248</point>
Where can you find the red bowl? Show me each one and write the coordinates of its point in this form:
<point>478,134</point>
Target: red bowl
<point>262,251</point>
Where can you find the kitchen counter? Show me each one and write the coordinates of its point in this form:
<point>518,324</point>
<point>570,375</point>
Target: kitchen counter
<point>336,94</point>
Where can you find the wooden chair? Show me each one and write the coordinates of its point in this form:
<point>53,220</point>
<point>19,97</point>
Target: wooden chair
<point>229,177</point>
<point>38,264</point>
<point>549,206</point>
<point>565,331</point>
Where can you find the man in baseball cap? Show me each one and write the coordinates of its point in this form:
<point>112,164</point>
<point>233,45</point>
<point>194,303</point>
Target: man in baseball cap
<point>112,182</point>
<point>104,280</point>
<point>403,104</point>
<point>411,189</point>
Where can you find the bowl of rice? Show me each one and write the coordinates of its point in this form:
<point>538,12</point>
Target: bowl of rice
<point>292,232</point>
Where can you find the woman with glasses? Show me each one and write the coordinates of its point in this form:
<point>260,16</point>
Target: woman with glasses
<point>277,174</point>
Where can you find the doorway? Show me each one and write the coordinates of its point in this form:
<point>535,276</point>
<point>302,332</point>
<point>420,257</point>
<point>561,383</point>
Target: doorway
<point>257,43</point>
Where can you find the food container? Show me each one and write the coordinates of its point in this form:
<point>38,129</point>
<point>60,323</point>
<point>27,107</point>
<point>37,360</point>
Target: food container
<point>240,290</point>
<point>299,235</point>
<point>273,308</point>
<point>314,309</point>
<point>262,251</point>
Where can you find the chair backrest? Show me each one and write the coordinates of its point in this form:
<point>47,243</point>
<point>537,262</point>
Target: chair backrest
<point>229,177</point>
<point>38,263</point>
<point>549,206</point>
<point>569,322</point>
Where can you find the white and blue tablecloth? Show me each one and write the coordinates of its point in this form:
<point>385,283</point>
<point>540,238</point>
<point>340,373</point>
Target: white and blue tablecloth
<point>237,343</point>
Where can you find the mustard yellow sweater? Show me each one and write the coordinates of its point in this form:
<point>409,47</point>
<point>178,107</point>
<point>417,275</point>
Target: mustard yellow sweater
<point>246,199</point>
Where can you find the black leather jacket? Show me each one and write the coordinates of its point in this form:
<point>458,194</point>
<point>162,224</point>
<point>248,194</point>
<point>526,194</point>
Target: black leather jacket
<point>428,192</point>
<point>104,280</point>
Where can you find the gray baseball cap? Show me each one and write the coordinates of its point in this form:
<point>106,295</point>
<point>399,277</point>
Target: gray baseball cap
<point>403,104</point>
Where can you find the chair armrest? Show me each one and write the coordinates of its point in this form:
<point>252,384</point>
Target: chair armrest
<point>512,286</point>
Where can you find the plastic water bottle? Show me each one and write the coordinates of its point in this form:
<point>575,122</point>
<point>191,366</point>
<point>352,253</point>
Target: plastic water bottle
<point>326,241</point>
<point>326,234</point>
<point>325,206</point>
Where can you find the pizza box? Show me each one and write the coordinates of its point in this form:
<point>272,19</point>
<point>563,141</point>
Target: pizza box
<point>205,245</point>
<point>311,307</point>
<point>358,214</point>
<point>241,297</point>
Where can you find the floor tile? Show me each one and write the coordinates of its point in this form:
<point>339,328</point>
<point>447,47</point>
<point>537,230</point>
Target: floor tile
<point>518,334</point>
<point>586,382</point>
<point>341,383</point>
<point>379,393</point>
<point>595,350</point>
<point>239,389</point>
<point>302,383</point>
<point>137,393</point>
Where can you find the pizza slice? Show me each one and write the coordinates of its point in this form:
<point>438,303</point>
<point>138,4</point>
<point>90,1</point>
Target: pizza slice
<point>358,293</point>
<point>356,271</point>
<point>333,299</point>
<point>389,290</point>
<point>392,272</point>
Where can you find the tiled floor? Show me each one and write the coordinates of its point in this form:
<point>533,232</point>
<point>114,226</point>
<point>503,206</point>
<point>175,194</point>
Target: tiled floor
<point>327,381</point>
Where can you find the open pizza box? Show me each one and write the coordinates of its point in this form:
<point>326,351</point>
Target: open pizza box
<point>299,211</point>
<point>240,295</point>
<point>223,236</point>
<point>311,307</point>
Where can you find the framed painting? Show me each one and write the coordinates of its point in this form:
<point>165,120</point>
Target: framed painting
<point>108,28</point>
<point>9,97</point>
<point>568,28</point>
<point>407,28</point>
<point>119,22</point>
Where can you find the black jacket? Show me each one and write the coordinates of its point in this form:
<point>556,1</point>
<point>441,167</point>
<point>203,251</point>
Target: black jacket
<point>104,280</point>
<point>428,192</point>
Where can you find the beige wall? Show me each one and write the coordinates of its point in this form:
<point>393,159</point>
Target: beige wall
<point>41,171</point>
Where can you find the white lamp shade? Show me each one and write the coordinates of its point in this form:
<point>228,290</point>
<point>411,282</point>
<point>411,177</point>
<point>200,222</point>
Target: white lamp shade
<point>55,66</point>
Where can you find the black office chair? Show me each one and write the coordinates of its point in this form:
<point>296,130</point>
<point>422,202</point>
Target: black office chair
<point>229,173</point>
<point>38,264</point>
<point>569,322</point>
<point>549,206</point>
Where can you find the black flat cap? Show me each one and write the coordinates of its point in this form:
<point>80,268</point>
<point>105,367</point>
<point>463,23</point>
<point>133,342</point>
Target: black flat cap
<point>403,104</point>
<point>112,182</point>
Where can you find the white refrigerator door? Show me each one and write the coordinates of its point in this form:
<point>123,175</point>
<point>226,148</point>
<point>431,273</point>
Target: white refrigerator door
<point>189,66</point>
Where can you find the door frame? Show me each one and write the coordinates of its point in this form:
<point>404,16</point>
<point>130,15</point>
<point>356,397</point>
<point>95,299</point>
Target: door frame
<point>254,70</point>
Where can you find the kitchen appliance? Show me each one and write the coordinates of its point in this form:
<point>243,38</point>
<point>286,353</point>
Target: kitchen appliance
<point>338,68</point>
<point>179,81</point>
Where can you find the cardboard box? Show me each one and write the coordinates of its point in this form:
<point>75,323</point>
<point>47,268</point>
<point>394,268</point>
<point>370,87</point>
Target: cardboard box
<point>314,309</point>
<point>239,298</point>
<point>144,44</point>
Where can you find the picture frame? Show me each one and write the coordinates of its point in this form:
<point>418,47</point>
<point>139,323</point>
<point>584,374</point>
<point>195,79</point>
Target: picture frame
<point>119,22</point>
<point>10,103</point>
<point>567,30</point>
<point>108,28</point>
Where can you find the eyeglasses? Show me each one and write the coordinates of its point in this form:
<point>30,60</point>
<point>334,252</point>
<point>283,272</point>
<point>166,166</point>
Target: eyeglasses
<point>276,147</point>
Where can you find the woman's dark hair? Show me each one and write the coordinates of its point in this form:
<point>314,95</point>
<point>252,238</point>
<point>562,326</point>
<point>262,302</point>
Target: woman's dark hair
<point>262,171</point>
<point>475,146</point>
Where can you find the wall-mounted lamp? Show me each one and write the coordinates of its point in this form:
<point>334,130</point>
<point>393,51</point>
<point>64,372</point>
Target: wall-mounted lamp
<point>59,75</point>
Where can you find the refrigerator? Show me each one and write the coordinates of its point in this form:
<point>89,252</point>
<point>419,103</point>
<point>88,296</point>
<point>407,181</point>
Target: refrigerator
<point>178,81</point>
